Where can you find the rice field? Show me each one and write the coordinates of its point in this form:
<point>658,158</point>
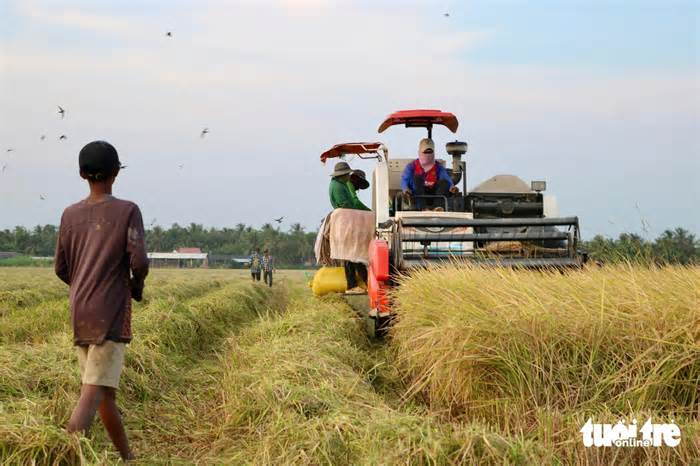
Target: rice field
<point>481,367</point>
<point>538,353</point>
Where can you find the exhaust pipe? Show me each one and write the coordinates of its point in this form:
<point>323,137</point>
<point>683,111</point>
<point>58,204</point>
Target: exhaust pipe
<point>456,149</point>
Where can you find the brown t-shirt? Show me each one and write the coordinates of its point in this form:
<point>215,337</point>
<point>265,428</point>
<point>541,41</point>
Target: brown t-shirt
<point>101,254</point>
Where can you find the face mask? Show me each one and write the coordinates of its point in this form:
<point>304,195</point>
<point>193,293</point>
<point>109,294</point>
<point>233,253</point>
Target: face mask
<point>426,160</point>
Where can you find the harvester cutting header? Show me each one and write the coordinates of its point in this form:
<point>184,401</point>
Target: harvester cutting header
<point>423,217</point>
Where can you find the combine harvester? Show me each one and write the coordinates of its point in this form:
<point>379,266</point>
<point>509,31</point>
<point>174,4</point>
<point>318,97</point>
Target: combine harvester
<point>501,222</point>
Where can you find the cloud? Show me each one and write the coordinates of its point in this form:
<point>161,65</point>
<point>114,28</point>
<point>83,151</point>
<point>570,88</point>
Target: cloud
<point>72,18</point>
<point>276,87</point>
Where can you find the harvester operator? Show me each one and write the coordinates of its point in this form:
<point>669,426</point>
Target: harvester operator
<point>424,176</point>
<point>342,197</point>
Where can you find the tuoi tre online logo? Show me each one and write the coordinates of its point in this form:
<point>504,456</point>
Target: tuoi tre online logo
<point>628,435</point>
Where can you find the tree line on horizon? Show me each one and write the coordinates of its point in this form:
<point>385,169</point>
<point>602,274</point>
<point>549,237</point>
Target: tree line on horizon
<point>677,246</point>
<point>295,246</point>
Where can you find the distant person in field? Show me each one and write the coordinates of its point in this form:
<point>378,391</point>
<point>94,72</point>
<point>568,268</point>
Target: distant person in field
<point>358,181</point>
<point>425,176</point>
<point>342,197</point>
<point>255,265</point>
<point>268,266</point>
<point>101,255</point>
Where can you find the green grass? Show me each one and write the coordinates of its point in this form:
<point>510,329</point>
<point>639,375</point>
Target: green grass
<point>25,261</point>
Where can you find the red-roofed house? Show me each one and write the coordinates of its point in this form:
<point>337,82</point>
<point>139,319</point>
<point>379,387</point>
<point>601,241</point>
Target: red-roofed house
<point>189,250</point>
<point>181,257</point>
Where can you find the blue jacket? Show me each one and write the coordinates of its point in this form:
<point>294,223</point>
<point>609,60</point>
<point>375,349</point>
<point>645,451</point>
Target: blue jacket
<point>409,172</point>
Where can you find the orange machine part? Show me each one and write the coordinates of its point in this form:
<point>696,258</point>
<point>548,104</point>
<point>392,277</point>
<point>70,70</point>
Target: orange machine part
<point>377,274</point>
<point>377,292</point>
<point>379,259</point>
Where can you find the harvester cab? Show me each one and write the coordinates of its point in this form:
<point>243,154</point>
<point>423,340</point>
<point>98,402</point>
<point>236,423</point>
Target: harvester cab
<point>502,222</point>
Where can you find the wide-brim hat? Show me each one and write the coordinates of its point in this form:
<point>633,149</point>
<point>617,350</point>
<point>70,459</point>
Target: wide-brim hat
<point>340,169</point>
<point>360,174</point>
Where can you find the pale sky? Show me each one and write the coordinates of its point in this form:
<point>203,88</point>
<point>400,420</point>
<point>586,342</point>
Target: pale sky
<point>599,98</point>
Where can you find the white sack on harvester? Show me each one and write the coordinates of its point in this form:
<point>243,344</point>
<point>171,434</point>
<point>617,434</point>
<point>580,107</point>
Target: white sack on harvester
<point>347,233</point>
<point>322,246</point>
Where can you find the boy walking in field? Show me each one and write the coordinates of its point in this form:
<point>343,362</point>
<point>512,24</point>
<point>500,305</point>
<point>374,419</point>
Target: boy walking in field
<point>101,255</point>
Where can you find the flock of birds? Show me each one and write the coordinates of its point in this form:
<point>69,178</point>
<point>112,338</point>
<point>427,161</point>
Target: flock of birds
<point>62,112</point>
<point>63,137</point>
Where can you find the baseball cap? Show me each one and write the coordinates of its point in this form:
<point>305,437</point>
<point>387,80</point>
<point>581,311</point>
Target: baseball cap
<point>99,158</point>
<point>426,143</point>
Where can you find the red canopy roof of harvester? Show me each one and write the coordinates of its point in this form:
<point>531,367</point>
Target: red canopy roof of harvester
<point>420,118</point>
<point>351,148</point>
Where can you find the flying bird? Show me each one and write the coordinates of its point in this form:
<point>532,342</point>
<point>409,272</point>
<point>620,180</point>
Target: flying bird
<point>42,137</point>
<point>205,131</point>
<point>61,111</point>
<point>10,150</point>
<point>168,34</point>
<point>446,15</point>
<point>42,197</point>
<point>62,137</point>
<point>279,220</point>
<point>180,166</point>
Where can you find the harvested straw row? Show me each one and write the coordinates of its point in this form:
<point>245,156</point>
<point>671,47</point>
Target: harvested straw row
<point>37,324</point>
<point>302,389</point>
<point>22,288</point>
<point>41,381</point>
<point>22,298</point>
<point>18,278</point>
<point>539,352</point>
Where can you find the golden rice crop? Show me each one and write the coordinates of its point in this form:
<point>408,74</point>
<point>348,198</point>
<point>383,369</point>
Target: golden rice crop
<point>540,351</point>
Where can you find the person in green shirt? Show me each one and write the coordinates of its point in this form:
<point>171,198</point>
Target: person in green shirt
<point>342,198</point>
<point>338,190</point>
<point>358,181</point>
